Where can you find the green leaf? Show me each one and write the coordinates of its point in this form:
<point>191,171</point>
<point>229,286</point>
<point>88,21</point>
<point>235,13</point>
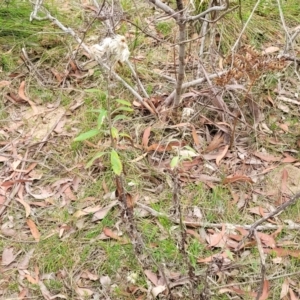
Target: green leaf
<point>91,161</point>
<point>95,91</point>
<point>124,108</point>
<point>116,162</point>
<point>123,134</point>
<point>120,117</point>
<point>114,133</point>
<point>86,135</point>
<point>124,102</point>
<point>174,162</point>
<point>101,117</point>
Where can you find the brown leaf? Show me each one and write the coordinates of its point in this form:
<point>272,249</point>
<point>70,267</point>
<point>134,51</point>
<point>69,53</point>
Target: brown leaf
<point>267,240</point>
<point>292,295</point>
<point>284,127</point>
<point>266,290</point>
<point>88,275</point>
<point>267,157</point>
<point>284,178</point>
<point>236,178</point>
<point>145,140</point>
<point>4,83</point>
<point>284,288</point>
<point>102,213</point>
<point>23,293</point>
<point>222,154</point>
<point>288,158</point>
<point>108,232</point>
<point>195,235</point>
<point>195,136</point>
<point>217,239</point>
<point>34,230</point>
<point>215,143</point>
<point>163,148</point>
<point>23,264</point>
<point>152,277</point>
<point>283,252</point>
<point>23,96</point>
<point>237,291</point>
<point>8,256</point>
<point>70,195</point>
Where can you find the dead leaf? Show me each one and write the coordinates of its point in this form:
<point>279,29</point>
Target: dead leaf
<point>105,281</point>
<point>23,264</point>
<point>284,127</point>
<point>88,275</point>
<point>102,213</point>
<point>283,252</point>
<point>26,206</point>
<point>113,235</point>
<point>236,178</point>
<point>22,96</point>
<point>145,140</point>
<point>4,83</point>
<point>222,154</point>
<point>152,277</point>
<point>83,292</point>
<point>195,136</point>
<point>266,290</point>
<point>70,195</point>
<point>195,235</point>
<point>267,157</point>
<point>215,143</point>
<point>8,256</point>
<point>34,230</point>
<point>292,295</point>
<point>284,288</point>
<point>23,293</point>
<point>237,291</point>
<point>217,239</point>
<point>157,290</point>
<point>267,240</point>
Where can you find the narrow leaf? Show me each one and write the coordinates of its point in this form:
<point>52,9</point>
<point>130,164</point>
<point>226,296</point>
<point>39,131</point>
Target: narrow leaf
<point>116,162</point>
<point>101,117</point>
<point>114,133</point>
<point>86,135</point>
<point>174,162</point>
<point>123,102</point>
<point>91,161</point>
<point>124,108</point>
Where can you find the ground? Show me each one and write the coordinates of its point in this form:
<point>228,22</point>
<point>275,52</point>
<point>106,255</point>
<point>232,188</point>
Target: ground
<point>104,198</point>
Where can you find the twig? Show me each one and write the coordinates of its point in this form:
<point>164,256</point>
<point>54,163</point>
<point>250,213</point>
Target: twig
<point>209,10</point>
<point>279,209</point>
<point>263,265</point>
<point>198,81</point>
<point>293,226</point>
<point>167,9</point>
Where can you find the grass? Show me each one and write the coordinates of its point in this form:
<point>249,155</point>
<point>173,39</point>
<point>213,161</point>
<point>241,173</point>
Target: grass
<point>80,247</point>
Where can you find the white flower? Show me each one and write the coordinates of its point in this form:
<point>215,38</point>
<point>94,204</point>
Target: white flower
<point>111,50</point>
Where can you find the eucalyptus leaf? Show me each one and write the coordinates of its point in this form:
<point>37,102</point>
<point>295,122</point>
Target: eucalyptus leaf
<point>116,162</point>
<point>86,135</point>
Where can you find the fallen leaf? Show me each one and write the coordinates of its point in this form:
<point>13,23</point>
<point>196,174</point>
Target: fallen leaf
<point>236,178</point>
<point>8,256</point>
<point>284,288</point>
<point>293,295</point>
<point>267,157</point>
<point>88,275</point>
<point>68,192</point>
<point>23,264</point>
<point>284,127</point>
<point>22,95</point>
<point>222,154</point>
<point>152,277</point>
<point>105,281</point>
<point>109,233</point>
<point>237,291</point>
<point>83,292</point>
<point>102,213</point>
<point>157,290</point>
<point>4,83</point>
<point>195,136</point>
<point>34,230</point>
<point>283,252</point>
<point>215,143</point>
<point>26,206</point>
<point>145,140</point>
<point>217,239</point>
<point>266,290</point>
<point>267,240</point>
